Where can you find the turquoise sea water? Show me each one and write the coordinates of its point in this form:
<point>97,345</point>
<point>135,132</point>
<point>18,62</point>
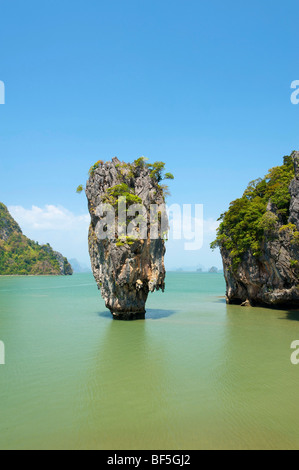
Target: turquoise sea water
<point>196,374</point>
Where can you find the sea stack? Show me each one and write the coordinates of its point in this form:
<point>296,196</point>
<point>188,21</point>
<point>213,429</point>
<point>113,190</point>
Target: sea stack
<point>126,268</point>
<point>259,240</point>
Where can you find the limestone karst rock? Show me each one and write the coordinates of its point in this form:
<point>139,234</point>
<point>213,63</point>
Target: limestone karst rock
<point>125,268</point>
<point>266,272</point>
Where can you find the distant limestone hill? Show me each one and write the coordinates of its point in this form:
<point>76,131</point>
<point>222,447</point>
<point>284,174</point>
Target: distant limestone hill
<point>213,270</point>
<point>79,268</point>
<point>21,256</point>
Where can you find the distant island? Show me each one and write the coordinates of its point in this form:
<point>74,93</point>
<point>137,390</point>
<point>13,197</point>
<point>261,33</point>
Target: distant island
<point>78,267</point>
<point>213,270</point>
<point>21,256</point>
<point>197,269</point>
<point>259,240</point>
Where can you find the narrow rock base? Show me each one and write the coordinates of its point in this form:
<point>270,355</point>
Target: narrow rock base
<point>129,316</point>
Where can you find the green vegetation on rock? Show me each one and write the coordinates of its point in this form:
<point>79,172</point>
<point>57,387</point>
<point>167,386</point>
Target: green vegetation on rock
<point>94,167</point>
<point>247,222</point>
<point>121,191</point>
<point>129,171</point>
<point>124,240</point>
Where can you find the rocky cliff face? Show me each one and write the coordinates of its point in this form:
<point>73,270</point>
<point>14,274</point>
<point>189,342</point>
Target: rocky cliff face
<point>272,277</point>
<point>126,269</point>
<point>64,267</point>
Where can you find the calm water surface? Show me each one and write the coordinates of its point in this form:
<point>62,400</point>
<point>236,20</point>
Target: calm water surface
<point>195,374</point>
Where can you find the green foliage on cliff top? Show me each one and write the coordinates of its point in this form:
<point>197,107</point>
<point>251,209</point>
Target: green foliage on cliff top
<point>21,256</point>
<point>244,225</point>
<point>94,167</point>
<point>130,170</point>
<point>157,169</point>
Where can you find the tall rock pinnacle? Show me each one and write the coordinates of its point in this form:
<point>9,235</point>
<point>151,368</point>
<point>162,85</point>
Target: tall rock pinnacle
<point>127,258</point>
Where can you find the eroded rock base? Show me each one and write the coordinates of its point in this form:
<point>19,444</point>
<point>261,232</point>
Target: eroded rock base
<point>129,316</point>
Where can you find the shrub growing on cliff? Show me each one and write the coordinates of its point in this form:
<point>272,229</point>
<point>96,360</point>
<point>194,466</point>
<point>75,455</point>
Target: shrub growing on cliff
<point>269,221</point>
<point>127,171</point>
<point>294,263</point>
<point>118,191</point>
<point>140,162</point>
<point>157,172</point>
<point>244,226</point>
<point>94,167</point>
<point>292,231</point>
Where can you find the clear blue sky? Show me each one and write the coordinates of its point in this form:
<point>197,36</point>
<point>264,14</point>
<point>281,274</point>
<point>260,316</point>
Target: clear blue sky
<point>201,85</point>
